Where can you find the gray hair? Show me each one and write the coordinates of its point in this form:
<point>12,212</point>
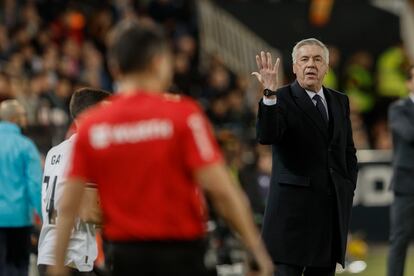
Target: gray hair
<point>9,110</point>
<point>310,41</point>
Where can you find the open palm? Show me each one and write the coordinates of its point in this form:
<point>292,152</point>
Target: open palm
<point>268,72</point>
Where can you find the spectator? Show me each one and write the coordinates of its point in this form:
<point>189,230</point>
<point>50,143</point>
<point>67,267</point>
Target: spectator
<point>218,83</point>
<point>359,82</point>
<point>381,135</point>
<point>4,87</point>
<point>331,78</point>
<point>359,130</point>
<point>217,112</point>
<point>255,180</point>
<point>241,118</point>
<point>391,66</point>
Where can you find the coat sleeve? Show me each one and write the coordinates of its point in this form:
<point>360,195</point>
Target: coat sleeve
<point>351,158</point>
<point>399,122</point>
<point>271,123</point>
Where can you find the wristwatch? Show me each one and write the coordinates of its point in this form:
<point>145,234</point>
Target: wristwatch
<point>268,93</point>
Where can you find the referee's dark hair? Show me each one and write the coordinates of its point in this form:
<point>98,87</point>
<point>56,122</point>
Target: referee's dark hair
<point>84,98</point>
<point>132,46</point>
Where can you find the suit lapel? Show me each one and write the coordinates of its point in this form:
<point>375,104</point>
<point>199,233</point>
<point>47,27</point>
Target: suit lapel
<point>334,107</point>
<point>306,104</point>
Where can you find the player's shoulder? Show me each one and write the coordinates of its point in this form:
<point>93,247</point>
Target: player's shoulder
<point>61,148</point>
<point>181,103</point>
<point>26,144</point>
<point>183,109</point>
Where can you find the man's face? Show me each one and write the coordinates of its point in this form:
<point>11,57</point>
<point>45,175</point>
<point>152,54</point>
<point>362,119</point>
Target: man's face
<point>310,67</point>
<point>410,82</point>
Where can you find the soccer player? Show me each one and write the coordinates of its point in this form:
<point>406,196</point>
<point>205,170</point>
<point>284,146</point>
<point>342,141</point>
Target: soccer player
<point>152,155</point>
<point>82,250</point>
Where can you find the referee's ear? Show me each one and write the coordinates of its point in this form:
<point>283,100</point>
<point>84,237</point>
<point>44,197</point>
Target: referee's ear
<point>113,68</point>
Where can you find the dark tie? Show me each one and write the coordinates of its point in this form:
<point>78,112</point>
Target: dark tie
<point>321,107</point>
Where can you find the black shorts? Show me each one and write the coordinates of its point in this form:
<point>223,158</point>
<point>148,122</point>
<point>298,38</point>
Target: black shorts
<point>14,250</point>
<point>73,272</point>
<point>158,258</point>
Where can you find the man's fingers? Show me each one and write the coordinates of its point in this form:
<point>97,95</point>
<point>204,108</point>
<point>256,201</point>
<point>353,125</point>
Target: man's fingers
<point>258,76</point>
<point>258,62</point>
<point>276,66</point>
<point>264,62</point>
<point>276,70</point>
<point>269,60</point>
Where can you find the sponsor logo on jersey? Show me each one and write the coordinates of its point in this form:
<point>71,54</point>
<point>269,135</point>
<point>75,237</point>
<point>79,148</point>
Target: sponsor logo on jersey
<point>103,135</point>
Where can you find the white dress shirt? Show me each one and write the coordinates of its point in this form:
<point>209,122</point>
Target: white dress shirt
<point>411,96</point>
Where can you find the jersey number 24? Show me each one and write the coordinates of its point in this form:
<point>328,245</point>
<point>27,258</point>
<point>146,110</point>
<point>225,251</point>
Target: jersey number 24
<point>50,198</point>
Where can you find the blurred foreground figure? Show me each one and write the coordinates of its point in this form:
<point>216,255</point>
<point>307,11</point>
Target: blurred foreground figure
<point>20,183</point>
<point>152,156</point>
<point>314,170</point>
<point>82,251</point>
<point>401,121</point>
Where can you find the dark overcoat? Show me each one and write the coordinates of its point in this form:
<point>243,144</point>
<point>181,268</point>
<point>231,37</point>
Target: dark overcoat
<point>401,121</point>
<point>313,177</point>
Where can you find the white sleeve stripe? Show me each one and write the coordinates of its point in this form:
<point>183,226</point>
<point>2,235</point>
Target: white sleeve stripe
<point>202,141</point>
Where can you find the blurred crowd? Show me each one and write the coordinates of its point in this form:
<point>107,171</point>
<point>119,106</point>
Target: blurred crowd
<point>371,83</point>
<point>49,48</point>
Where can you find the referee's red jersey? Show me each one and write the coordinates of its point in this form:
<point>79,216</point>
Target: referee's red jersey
<point>142,151</point>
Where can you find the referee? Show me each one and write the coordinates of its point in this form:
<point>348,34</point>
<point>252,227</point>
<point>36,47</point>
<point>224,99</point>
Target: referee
<point>153,157</point>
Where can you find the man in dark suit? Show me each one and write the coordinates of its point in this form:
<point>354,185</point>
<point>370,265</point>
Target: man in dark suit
<point>401,121</point>
<point>314,164</point>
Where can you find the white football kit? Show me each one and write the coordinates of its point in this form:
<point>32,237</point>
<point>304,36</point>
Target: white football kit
<point>82,249</point>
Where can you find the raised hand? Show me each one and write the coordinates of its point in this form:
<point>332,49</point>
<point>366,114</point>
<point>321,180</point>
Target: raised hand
<point>268,72</point>
<point>262,265</point>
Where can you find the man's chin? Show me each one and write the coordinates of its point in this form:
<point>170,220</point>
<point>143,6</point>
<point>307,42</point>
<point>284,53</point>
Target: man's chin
<point>311,87</point>
<point>312,82</point>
